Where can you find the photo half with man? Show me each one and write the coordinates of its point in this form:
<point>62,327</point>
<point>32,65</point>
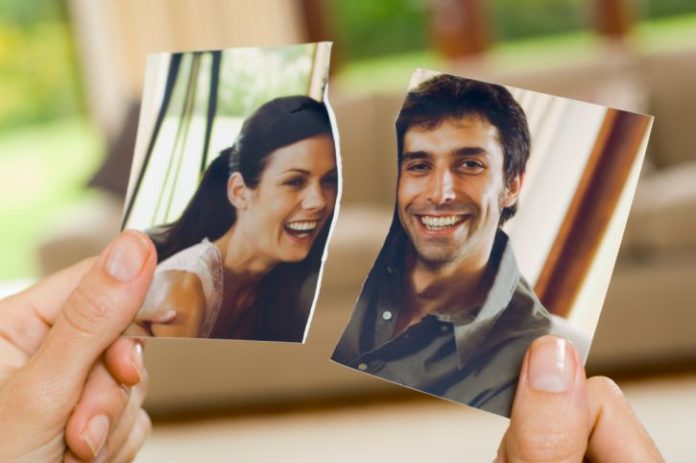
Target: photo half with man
<point>510,208</point>
<point>235,178</point>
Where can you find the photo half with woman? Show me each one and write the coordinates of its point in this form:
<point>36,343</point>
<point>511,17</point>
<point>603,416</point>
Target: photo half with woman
<point>235,178</point>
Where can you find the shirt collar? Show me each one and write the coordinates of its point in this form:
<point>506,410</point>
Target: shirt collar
<point>506,277</point>
<point>469,334</point>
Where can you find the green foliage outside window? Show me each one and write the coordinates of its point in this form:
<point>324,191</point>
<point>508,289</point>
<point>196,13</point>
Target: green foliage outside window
<point>285,71</point>
<point>653,9</point>
<point>368,28</point>
<point>47,151</point>
<point>516,19</point>
<point>37,66</point>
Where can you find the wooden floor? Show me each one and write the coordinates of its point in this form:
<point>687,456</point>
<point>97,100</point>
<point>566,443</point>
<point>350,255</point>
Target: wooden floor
<point>401,430</point>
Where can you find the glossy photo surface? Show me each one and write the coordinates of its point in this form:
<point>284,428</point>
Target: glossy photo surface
<point>510,206</point>
<point>235,180</point>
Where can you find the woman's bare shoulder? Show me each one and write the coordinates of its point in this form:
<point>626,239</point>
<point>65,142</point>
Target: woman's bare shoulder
<point>179,280</point>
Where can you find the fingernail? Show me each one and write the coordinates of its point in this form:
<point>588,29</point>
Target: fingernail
<point>551,366</point>
<point>95,433</point>
<point>137,360</point>
<point>101,458</point>
<point>166,317</point>
<point>126,257</point>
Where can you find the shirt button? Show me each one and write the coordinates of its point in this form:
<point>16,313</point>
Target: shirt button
<point>362,367</point>
<point>387,315</point>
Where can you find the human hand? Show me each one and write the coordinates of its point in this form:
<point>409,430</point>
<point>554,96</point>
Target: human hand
<point>70,387</point>
<point>174,306</point>
<point>559,416</point>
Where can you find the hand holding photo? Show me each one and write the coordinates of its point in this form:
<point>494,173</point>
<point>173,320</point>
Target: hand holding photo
<point>460,289</point>
<point>241,234</point>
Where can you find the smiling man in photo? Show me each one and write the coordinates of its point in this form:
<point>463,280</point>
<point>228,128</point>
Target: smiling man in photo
<point>444,309</point>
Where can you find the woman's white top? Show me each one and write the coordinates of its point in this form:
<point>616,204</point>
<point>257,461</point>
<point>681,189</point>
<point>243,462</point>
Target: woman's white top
<point>205,261</point>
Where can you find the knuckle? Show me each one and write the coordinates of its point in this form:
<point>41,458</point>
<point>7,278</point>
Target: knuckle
<point>555,445</point>
<point>605,385</point>
<point>122,395</point>
<point>606,398</point>
<point>145,422</point>
<point>140,432</point>
<point>112,401</point>
<point>144,383</point>
<point>139,391</point>
<point>86,309</point>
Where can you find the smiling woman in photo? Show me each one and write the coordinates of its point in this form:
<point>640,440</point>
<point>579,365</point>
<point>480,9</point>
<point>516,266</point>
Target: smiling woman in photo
<point>243,259</point>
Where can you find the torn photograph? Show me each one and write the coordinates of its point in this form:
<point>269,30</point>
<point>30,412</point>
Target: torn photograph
<point>235,179</point>
<point>510,207</point>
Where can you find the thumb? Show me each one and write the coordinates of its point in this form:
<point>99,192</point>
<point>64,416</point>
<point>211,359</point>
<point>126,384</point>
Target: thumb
<point>156,308</point>
<point>550,414</point>
<point>95,314</point>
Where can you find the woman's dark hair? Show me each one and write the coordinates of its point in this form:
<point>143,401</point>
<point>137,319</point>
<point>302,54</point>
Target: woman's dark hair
<point>209,214</point>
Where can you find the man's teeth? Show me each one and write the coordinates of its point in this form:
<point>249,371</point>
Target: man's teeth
<point>302,226</point>
<point>436,223</point>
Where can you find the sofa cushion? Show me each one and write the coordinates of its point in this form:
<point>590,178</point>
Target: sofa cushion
<point>670,76</point>
<point>355,243</point>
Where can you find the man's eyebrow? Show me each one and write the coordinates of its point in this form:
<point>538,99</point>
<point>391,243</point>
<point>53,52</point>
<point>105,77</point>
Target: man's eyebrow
<point>470,151</point>
<point>301,171</point>
<point>411,155</point>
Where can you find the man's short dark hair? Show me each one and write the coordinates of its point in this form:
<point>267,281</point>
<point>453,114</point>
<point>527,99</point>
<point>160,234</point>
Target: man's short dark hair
<point>446,97</point>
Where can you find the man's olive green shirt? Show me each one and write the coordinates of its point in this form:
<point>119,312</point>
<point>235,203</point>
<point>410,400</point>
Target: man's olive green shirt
<point>474,360</point>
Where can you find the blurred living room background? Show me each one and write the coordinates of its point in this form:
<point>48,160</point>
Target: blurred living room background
<point>71,75</point>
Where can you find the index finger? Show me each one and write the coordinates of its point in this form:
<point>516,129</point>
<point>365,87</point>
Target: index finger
<point>617,434</point>
<point>47,297</point>
<point>28,315</point>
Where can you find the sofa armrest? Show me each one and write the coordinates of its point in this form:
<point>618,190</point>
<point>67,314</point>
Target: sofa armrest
<point>663,216</point>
